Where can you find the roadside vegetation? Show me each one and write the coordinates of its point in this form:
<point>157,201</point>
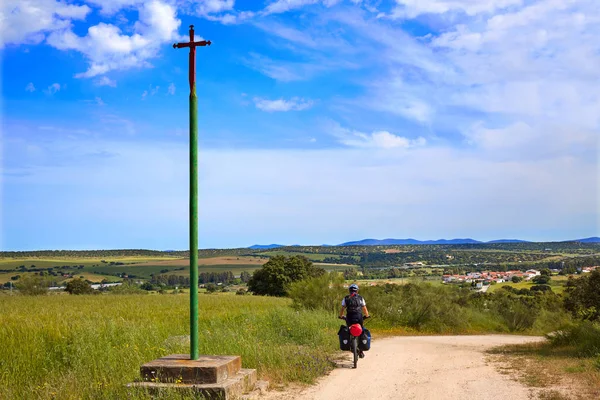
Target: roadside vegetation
<point>571,355</point>
<point>90,347</point>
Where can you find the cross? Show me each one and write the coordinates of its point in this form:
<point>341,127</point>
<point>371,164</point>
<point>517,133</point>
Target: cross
<point>193,192</point>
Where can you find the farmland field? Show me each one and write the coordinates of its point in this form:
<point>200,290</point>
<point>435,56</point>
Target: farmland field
<point>74,347</point>
<point>557,283</point>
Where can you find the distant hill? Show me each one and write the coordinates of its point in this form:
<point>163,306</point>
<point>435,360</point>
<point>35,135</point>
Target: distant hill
<point>508,241</point>
<point>391,242</point>
<point>387,242</point>
<point>265,246</point>
<point>594,239</point>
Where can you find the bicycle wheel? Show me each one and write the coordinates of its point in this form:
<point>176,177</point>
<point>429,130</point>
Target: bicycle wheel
<point>355,350</point>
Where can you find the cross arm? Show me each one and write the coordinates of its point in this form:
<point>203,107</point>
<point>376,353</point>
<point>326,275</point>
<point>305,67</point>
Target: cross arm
<point>191,44</point>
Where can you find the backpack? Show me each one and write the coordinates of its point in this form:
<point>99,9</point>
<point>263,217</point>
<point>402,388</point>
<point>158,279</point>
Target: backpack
<point>354,303</point>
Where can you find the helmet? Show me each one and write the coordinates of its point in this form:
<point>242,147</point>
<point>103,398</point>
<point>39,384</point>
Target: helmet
<point>355,329</point>
<point>353,288</point>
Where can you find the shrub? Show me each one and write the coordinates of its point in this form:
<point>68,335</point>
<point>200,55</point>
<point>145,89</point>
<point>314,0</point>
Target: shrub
<point>78,286</point>
<point>584,336</point>
<point>324,292</point>
<point>541,279</point>
<point>540,288</point>
<point>33,285</point>
<point>127,288</point>
<point>211,287</point>
<point>518,312</point>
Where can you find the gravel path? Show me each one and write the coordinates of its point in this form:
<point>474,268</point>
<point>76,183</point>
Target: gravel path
<point>420,368</point>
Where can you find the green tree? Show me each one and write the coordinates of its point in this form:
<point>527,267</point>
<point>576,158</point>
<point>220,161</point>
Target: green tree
<point>245,276</point>
<point>275,276</point>
<point>33,285</point>
<point>78,286</point>
<point>516,279</point>
<point>211,287</point>
<point>583,296</point>
<point>542,279</point>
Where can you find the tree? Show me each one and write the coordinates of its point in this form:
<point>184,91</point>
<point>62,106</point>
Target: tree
<point>541,279</point>
<point>516,279</point>
<point>245,276</point>
<point>33,285</point>
<point>211,288</point>
<point>78,286</point>
<point>275,276</point>
<point>583,296</point>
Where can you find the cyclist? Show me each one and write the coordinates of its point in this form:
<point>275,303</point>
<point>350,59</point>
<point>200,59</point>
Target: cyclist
<point>355,306</point>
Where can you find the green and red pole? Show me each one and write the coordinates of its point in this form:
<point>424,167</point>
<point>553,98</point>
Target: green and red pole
<point>194,353</point>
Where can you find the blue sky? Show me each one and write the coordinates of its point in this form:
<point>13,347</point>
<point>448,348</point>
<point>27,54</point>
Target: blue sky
<point>321,121</point>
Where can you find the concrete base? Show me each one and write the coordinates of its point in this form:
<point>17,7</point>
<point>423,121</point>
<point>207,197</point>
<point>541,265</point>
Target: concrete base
<point>231,388</point>
<point>179,368</point>
<point>209,377</point>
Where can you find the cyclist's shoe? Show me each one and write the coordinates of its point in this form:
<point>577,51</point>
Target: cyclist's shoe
<point>361,354</point>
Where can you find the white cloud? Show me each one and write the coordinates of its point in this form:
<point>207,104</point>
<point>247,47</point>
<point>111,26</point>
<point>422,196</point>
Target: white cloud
<point>110,7</point>
<point>99,101</point>
<point>293,104</point>
<point>533,71</point>
<point>150,92</point>
<point>414,8</point>
<point>380,139</point>
<point>30,87</point>
<point>105,81</point>
<point>205,7</point>
<point>288,71</point>
<point>171,89</point>
<point>281,6</point>
<point>107,48</point>
<point>52,89</point>
<point>29,21</point>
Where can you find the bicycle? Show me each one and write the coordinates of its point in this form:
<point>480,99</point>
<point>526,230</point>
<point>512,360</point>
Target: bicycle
<point>354,338</point>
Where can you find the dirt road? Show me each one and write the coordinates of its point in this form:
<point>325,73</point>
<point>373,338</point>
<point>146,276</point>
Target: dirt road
<point>421,368</point>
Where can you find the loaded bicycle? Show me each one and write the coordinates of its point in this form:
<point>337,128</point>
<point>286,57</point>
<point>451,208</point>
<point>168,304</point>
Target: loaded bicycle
<point>355,338</point>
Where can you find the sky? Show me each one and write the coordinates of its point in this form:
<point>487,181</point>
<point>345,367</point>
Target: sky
<point>320,121</point>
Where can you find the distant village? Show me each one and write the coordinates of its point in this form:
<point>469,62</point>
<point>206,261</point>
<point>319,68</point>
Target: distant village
<point>487,277</point>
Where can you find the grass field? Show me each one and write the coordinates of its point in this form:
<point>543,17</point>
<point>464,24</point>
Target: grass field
<point>89,347</point>
<point>232,260</point>
<point>557,284</point>
<point>14,263</point>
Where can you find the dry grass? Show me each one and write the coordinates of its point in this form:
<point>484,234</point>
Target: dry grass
<point>553,371</point>
<point>89,347</point>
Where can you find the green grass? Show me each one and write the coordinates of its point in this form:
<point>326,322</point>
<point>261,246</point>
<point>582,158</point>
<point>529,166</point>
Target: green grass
<point>557,283</point>
<point>89,347</point>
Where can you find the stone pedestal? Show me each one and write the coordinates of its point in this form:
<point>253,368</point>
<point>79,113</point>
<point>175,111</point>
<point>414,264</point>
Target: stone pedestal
<point>211,377</point>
